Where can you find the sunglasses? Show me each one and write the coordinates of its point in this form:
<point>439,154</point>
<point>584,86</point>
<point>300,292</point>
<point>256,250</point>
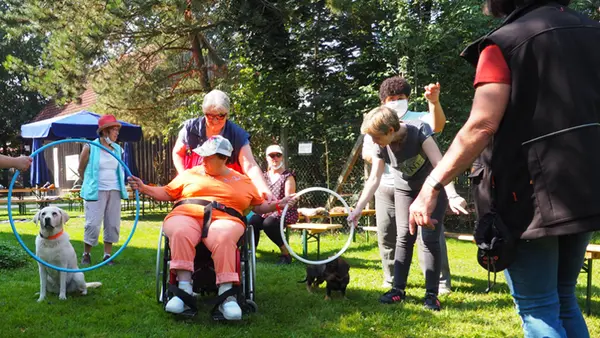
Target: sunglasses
<point>218,117</point>
<point>275,155</point>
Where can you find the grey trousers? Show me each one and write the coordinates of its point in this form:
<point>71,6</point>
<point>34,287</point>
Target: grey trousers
<point>385,216</point>
<point>108,209</point>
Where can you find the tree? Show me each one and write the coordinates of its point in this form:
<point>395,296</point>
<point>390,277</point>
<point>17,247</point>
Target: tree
<point>145,59</point>
<point>18,105</point>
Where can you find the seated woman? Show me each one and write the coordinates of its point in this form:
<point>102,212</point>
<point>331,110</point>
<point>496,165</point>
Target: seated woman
<point>282,183</point>
<point>212,181</point>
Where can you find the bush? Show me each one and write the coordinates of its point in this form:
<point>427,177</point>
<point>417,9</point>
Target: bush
<point>12,257</point>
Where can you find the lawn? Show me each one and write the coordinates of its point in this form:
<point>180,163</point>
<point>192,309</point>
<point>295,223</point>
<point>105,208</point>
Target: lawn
<point>125,305</point>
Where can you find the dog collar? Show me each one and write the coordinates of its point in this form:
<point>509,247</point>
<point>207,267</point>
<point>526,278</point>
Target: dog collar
<point>53,236</point>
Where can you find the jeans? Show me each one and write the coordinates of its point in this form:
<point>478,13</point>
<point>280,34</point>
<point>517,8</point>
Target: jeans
<point>542,282</point>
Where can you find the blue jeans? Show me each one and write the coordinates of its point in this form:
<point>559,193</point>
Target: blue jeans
<point>542,282</point>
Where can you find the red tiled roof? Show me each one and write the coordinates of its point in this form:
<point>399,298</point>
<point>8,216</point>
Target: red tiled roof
<point>86,100</point>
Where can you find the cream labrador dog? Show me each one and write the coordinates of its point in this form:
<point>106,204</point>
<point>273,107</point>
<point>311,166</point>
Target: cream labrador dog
<point>53,246</point>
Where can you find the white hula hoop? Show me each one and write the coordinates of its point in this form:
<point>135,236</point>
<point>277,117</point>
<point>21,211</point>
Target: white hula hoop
<point>287,245</point>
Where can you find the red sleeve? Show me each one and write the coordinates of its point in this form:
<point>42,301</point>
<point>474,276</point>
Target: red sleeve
<point>492,67</point>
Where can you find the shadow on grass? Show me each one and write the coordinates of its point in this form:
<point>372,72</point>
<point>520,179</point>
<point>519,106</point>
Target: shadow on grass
<point>126,303</point>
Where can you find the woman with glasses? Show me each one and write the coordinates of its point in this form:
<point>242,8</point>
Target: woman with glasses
<point>282,183</point>
<point>214,122</point>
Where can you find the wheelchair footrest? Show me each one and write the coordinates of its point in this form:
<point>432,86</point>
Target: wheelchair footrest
<point>188,313</point>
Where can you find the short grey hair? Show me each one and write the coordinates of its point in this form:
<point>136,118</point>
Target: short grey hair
<point>215,99</point>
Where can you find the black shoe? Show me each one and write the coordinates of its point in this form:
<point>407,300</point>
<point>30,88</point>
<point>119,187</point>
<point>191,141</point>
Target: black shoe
<point>393,296</point>
<point>432,302</point>
<point>284,259</point>
<point>107,257</point>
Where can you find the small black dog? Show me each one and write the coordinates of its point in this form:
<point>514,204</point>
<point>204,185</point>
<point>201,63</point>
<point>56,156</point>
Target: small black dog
<point>335,273</point>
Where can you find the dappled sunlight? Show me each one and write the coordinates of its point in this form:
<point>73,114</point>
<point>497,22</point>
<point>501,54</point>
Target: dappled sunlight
<point>126,301</point>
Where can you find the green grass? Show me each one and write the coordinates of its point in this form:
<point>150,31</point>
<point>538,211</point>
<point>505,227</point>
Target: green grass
<point>125,305</point>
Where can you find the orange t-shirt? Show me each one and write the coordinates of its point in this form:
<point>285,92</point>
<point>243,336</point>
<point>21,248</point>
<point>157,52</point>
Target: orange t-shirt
<point>233,190</point>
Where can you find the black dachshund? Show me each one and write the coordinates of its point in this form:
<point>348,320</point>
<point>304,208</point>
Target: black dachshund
<point>335,273</point>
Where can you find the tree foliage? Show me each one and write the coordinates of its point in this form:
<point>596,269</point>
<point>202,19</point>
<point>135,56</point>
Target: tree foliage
<point>144,58</point>
<point>18,104</point>
<point>297,69</point>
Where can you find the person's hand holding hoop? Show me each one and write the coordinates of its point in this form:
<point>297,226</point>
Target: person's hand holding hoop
<point>136,183</point>
<point>354,216</point>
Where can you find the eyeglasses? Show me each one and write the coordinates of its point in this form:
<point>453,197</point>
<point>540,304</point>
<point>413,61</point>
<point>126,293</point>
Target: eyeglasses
<point>275,155</point>
<point>218,117</point>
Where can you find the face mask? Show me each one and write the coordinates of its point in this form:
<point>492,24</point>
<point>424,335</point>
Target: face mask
<point>399,106</point>
<point>279,166</point>
<point>108,140</point>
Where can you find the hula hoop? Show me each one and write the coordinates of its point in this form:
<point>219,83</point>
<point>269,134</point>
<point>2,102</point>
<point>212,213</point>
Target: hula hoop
<point>287,245</point>
<point>20,240</point>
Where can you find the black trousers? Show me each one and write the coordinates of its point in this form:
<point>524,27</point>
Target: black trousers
<point>270,226</point>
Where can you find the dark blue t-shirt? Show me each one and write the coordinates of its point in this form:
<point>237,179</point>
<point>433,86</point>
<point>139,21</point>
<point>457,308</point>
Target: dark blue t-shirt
<point>193,134</point>
<point>407,159</point>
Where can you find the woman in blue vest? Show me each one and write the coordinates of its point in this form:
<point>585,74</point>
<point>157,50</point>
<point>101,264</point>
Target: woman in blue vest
<point>103,188</point>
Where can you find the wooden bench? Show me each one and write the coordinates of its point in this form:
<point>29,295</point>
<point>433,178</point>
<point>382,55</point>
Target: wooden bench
<point>312,231</point>
<point>22,203</point>
<point>592,252</point>
<point>367,212</point>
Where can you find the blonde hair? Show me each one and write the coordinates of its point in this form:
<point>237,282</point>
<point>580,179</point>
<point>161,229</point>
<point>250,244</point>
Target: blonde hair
<point>379,121</point>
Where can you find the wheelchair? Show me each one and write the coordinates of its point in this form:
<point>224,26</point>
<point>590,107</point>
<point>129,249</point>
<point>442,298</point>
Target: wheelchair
<point>204,278</point>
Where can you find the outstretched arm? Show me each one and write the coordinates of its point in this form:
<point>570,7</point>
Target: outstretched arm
<point>253,171</point>
<point>158,193</point>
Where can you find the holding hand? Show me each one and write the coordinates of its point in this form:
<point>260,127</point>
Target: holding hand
<point>354,216</point>
<point>22,163</point>
<point>290,201</point>
<point>432,92</point>
<point>135,183</point>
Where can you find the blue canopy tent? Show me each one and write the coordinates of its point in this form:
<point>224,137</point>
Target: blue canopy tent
<point>83,124</point>
<point>40,175</point>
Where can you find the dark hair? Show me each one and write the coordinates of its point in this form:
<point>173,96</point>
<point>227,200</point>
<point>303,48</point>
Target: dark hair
<point>501,8</point>
<point>393,86</point>
<point>223,157</point>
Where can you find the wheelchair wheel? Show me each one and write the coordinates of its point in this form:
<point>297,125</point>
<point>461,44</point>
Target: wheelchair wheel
<point>248,261</point>
<point>252,306</point>
<point>252,261</point>
<point>159,270</point>
<point>162,269</point>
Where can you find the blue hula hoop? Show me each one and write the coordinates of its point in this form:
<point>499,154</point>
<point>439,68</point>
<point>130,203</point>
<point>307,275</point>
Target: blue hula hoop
<point>20,240</point>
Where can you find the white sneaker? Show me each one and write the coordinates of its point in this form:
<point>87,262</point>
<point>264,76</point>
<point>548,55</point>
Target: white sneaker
<point>230,309</point>
<point>176,305</point>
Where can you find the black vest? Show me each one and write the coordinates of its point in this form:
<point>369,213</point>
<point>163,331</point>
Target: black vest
<point>544,159</point>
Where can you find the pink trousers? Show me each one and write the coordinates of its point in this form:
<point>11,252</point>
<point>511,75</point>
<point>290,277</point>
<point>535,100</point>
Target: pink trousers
<point>184,233</point>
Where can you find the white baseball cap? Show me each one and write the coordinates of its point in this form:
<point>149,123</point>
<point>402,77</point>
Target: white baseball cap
<point>215,145</point>
<point>273,149</point>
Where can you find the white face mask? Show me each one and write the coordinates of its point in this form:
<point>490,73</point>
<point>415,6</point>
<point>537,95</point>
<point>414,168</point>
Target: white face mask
<point>108,140</point>
<point>279,166</point>
<point>399,106</point>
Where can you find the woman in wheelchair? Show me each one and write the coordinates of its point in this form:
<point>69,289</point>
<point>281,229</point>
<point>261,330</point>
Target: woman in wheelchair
<point>185,227</point>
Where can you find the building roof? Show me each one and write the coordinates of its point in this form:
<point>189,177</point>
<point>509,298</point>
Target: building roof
<point>83,102</point>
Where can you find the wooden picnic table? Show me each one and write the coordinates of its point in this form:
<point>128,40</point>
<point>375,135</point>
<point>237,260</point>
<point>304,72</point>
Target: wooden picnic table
<point>40,197</point>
